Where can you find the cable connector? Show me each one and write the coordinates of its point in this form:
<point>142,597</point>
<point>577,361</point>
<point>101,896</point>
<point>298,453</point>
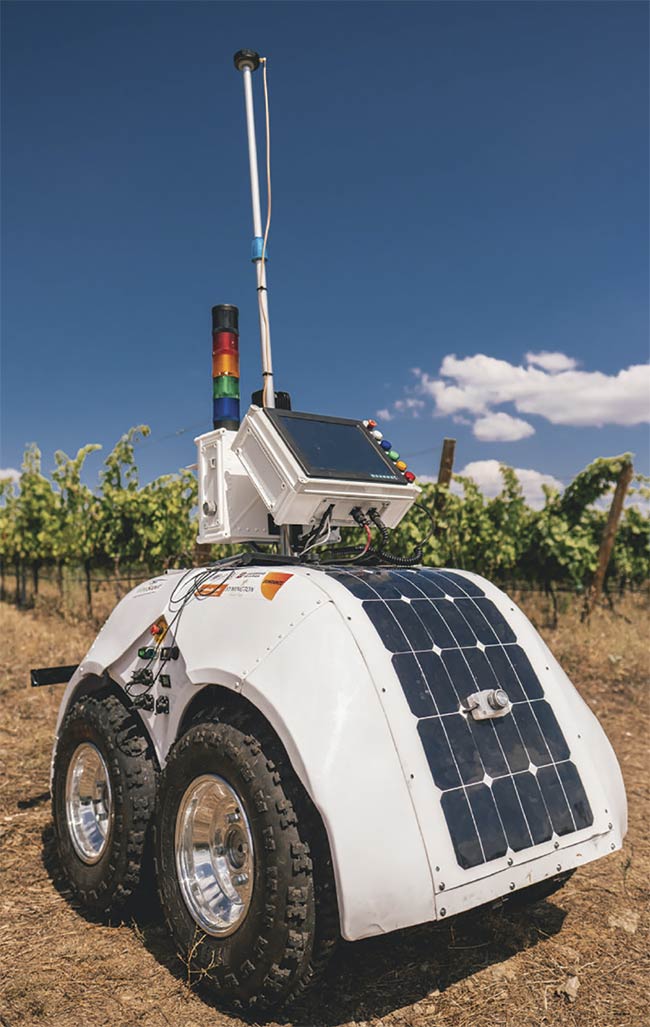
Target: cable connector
<point>360,517</point>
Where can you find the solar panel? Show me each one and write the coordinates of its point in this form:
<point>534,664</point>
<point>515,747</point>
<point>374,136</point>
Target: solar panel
<point>507,783</point>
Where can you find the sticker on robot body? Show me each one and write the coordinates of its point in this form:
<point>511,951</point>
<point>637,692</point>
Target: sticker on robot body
<point>148,587</point>
<point>245,585</point>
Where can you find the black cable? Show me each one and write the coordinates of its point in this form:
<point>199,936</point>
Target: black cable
<point>399,561</point>
<point>431,517</point>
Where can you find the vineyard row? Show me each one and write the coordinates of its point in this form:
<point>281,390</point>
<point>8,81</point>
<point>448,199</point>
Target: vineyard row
<point>60,522</point>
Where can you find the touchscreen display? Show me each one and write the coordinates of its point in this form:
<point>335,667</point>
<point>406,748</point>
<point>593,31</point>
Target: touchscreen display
<point>330,447</point>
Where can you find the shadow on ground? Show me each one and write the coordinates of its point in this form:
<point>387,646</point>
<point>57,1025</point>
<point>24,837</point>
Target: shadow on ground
<point>365,979</point>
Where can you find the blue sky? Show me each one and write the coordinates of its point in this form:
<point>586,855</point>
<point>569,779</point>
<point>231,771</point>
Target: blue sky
<point>455,186</point>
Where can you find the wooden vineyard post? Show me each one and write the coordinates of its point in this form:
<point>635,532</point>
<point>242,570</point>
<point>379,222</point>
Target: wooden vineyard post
<point>609,534</point>
<point>446,468</point>
<point>444,477</point>
<point>202,554</point>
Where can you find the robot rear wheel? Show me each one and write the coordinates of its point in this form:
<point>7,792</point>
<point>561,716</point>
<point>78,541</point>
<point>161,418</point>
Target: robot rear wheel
<point>243,876</point>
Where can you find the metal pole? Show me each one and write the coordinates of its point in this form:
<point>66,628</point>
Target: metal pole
<point>247,61</point>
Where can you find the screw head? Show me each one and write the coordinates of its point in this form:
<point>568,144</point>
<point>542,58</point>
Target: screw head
<point>443,912</point>
<point>240,879</point>
<point>441,886</point>
<point>512,886</point>
<point>510,861</point>
<point>232,818</point>
<point>610,826</point>
<point>559,866</point>
<point>556,845</point>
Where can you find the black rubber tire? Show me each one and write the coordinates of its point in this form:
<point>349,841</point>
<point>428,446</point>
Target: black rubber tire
<point>291,927</point>
<point>108,885</point>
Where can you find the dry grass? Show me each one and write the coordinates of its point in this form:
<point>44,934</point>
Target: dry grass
<point>505,969</point>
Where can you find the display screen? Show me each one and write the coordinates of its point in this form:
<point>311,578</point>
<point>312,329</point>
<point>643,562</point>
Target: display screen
<point>329,447</point>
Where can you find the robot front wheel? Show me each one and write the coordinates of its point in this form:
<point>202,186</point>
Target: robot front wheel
<point>242,866</point>
<point>103,798</point>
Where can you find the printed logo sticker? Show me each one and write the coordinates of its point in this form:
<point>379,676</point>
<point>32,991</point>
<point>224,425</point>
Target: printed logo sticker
<point>272,583</point>
<point>211,589</point>
<point>148,587</point>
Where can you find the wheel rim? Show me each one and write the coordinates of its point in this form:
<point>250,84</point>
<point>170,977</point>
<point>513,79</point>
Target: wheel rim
<point>88,802</point>
<point>214,855</point>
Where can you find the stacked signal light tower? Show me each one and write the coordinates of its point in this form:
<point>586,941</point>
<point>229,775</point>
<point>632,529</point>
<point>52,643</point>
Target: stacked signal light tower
<point>225,366</point>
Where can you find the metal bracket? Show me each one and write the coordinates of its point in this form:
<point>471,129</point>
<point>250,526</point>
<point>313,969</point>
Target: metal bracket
<point>490,703</point>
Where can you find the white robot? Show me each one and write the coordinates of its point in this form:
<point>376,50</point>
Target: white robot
<point>315,748</point>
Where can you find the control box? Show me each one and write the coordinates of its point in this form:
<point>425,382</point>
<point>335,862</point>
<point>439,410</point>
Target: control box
<point>301,464</point>
<point>230,507</point>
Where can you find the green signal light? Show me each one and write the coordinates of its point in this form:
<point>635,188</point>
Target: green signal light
<point>225,386</point>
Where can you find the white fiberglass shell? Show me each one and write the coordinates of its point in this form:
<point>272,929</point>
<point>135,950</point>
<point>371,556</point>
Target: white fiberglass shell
<point>300,646</point>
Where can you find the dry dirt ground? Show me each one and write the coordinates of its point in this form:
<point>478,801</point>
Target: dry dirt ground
<point>496,969</point>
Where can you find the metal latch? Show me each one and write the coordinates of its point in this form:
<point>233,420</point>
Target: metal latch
<point>491,702</point>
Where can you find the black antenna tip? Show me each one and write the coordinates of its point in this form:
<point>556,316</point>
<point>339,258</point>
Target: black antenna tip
<point>246,59</point>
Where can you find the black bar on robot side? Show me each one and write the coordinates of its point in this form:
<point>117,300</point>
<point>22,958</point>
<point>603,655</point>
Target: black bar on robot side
<point>51,676</point>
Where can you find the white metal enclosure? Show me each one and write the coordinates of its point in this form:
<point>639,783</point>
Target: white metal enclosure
<point>347,667</point>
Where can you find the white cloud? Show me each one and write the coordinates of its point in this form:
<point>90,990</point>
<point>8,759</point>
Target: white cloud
<point>384,415</point>
<point>479,383</point>
<point>409,405</point>
<point>487,476</point>
<point>9,472</point>
<point>552,362</point>
<point>501,427</point>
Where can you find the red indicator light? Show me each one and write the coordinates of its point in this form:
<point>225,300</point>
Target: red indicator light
<point>372,424</point>
<point>155,629</point>
<point>225,342</point>
<point>409,476</point>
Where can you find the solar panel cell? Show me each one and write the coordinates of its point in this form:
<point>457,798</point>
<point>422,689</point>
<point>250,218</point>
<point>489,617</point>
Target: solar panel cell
<point>524,671</point>
<point>506,781</point>
<point>387,627</point>
<point>575,793</point>
<point>552,732</point>
<point>531,736</point>
<point>496,620</point>
<point>556,801</point>
<point>512,814</point>
<point>488,824</point>
<point>416,635</point>
<point>440,684</point>
<point>463,747</point>
<point>444,767</point>
<point>414,684</point>
<point>462,827</point>
<point>511,744</point>
<point>435,625</point>
<point>500,660</point>
<point>489,748</point>
<point>534,807</point>
<point>458,626</point>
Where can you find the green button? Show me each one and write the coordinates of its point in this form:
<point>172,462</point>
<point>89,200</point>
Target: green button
<point>393,454</point>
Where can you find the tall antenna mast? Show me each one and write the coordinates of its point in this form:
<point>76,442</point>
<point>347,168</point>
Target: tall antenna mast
<point>247,61</point>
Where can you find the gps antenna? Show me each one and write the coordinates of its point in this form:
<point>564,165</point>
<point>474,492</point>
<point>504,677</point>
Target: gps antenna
<point>247,61</point>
